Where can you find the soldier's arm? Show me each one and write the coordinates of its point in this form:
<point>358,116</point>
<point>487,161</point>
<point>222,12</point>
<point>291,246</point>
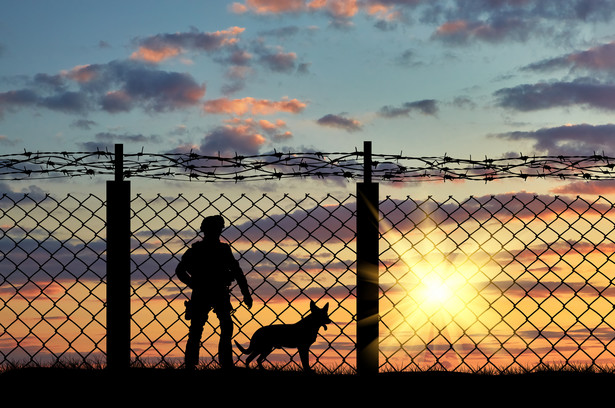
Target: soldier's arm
<point>182,273</point>
<point>245,289</point>
<point>241,280</point>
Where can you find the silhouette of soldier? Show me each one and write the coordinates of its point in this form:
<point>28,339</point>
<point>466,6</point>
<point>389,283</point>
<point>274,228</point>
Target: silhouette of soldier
<point>208,268</point>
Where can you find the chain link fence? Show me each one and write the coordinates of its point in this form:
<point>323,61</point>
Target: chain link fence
<point>292,250</point>
<point>497,282</point>
<point>494,282</point>
<point>53,274</point>
<point>52,279</point>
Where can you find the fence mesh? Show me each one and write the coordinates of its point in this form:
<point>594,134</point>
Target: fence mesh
<point>52,273</point>
<point>291,250</point>
<point>513,281</point>
<point>489,282</point>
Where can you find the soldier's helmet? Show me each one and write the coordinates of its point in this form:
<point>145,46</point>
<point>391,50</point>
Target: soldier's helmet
<point>213,223</point>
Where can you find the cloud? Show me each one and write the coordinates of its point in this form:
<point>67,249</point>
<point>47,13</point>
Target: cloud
<point>457,21</point>
<point>600,58</point>
<point>158,90</point>
<point>276,130</point>
<point>253,106</point>
<point>281,32</point>
<point>340,12</point>
<point>464,31</point>
<point>425,106</point>
<point>463,102</point>
<point>133,138</point>
<point>118,86</point>
<point>515,20</point>
<point>590,188</point>
<point>269,6</point>
<point>104,141</point>
<point>582,92</point>
<point>12,100</point>
<point>275,58</point>
<point>33,192</point>
<point>68,102</point>
<point>247,135</point>
<point>335,8</point>
<point>306,224</point>
<point>160,47</point>
<point>84,124</point>
<point>226,48</point>
<point>279,61</point>
<point>407,59</point>
<point>241,138</point>
<point>63,101</point>
<point>582,139</point>
<point>340,122</point>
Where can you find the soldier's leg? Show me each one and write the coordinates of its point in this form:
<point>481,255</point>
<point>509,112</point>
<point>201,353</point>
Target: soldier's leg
<point>225,349</point>
<point>195,332</point>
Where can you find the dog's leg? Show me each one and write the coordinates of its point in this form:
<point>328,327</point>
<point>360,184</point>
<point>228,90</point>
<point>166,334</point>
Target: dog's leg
<point>250,358</point>
<point>263,356</point>
<point>304,354</point>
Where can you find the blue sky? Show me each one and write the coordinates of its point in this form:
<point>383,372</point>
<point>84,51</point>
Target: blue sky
<point>461,77</point>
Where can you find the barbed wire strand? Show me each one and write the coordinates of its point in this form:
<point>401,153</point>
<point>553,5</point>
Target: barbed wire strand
<point>191,166</point>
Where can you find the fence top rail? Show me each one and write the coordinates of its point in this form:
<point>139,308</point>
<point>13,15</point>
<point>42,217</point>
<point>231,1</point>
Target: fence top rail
<point>191,166</point>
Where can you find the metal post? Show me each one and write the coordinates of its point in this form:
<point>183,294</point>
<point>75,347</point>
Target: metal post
<point>367,270</point>
<point>118,267</point>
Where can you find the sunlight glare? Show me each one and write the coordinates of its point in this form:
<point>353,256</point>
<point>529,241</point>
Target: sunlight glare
<point>437,292</point>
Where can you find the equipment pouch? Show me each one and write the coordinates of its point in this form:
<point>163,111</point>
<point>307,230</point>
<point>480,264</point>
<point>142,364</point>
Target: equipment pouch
<point>188,313</point>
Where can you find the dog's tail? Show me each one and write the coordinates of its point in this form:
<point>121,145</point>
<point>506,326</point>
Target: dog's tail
<point>243,350</point>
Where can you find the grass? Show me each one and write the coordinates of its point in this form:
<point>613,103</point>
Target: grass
<point>277,385</point>
<point>283,370</point>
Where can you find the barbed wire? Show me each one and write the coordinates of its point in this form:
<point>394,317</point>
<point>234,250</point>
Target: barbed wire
<point>191,166</point>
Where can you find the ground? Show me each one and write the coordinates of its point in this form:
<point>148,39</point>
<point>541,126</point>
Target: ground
<point>274,388</point>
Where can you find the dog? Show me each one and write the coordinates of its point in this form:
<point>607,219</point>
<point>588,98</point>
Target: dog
<point>300,335</point>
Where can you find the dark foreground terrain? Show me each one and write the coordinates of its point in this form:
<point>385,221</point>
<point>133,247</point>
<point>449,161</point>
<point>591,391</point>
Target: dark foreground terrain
<point>252,387</point>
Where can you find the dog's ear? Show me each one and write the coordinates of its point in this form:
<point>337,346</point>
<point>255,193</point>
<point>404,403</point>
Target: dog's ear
<point>312,305</point>
<point>326,307</point>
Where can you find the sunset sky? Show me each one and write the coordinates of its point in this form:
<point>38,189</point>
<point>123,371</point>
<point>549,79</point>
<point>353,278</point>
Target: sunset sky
<point>465,78</point>
<point>481,78</point>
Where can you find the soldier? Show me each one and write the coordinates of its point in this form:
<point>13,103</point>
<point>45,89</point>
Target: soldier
<point>209,268</point>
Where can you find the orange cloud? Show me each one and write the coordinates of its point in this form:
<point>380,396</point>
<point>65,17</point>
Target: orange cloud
<point>343,8</point>
<point>317,4</point>
<point>253,126</point>
<point>452,27</point>
<point>267,125</point>
<point>236,135</point>
<point>337,8</point>
<point>383,11</point>
<point>164,46</point>
<point>155,55</point>
<point>80,73</point>
<point>253,106</point>
<point>269,6</point>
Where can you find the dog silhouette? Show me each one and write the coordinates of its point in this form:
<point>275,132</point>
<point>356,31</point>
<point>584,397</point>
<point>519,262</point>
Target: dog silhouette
<point>300,335</point>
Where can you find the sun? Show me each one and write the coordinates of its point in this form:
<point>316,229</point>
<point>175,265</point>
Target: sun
<point>437,292</point>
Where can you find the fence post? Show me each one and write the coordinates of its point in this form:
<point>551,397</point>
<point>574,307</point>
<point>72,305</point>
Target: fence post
<point>118,266</point>
<point>367,270</point>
